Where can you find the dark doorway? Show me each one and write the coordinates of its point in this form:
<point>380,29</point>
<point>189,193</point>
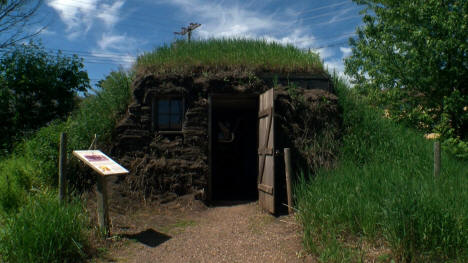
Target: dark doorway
<point>234,144</point>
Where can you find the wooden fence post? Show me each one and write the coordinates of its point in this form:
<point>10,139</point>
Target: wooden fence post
<point>62,164</point>
<point>436,158</point>
<point>102,206</point>
<point>287,162</point>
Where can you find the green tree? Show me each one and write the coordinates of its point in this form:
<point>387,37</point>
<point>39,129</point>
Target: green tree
<point>35,88</point>
<point>411,57</point>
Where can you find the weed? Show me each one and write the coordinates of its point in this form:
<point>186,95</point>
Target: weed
<point>45,230</point>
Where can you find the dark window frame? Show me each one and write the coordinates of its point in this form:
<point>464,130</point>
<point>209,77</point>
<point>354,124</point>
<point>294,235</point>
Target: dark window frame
<point>173,127</point>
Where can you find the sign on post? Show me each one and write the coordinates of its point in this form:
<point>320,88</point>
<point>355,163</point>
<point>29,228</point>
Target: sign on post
<point>100,162</point>
<point>105,166</point>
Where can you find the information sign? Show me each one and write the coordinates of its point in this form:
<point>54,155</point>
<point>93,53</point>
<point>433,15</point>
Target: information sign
<point>100,162</point>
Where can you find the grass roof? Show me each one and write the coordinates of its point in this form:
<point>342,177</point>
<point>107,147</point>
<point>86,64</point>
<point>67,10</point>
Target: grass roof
<point>229,54</point>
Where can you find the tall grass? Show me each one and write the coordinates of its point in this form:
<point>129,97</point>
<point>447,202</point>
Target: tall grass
<point>230,54</point>
<point>383,191</point>
<point>45,231</point>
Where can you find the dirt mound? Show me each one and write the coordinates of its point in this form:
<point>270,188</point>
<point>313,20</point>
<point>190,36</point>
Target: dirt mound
<point>165,165</point>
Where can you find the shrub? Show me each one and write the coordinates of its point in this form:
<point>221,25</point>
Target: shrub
<point>45,230</point>
<point>99,113</point>
<point>15,181</point>
<point>41,152</point>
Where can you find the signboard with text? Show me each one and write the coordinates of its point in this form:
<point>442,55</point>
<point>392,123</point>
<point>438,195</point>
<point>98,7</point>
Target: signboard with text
<point>100,162</point>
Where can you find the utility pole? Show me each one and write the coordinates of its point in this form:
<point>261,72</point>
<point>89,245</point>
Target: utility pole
<point>188,30</point>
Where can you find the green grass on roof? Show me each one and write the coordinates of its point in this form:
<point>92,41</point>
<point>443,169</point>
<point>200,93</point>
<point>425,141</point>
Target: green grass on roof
<point>229,54</point>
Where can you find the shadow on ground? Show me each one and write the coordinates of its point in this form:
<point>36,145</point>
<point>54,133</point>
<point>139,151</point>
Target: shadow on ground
<point>149,237</point>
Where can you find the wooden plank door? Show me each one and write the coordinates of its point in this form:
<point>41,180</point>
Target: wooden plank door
<point>266,154</point>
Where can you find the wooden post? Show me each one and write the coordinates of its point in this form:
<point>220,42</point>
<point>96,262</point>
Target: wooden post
<point>287,162</point>
<point>62,162</point>
<point>210,149</point>
<point>102,206</point>
<point>188,30</point>
<point>436,158</point>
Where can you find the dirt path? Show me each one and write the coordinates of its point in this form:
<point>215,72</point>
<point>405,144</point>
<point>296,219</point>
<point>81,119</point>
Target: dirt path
<point>186,230</point>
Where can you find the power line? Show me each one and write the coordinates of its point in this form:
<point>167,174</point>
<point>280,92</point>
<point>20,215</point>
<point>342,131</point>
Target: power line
<point>331,45</point>
<point>92,58</point>
<point>167,24</point>
<point>114,58</point>
<point>339,20</point>
<point>120,24</point>
<point>321,15</point>
<point>125,57</point>
<point>324,7</point>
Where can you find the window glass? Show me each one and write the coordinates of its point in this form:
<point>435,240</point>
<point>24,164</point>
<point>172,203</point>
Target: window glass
<point>176,106</point>
<point>176,120</point>
<point>163,106</point>
<point>163,121</point>
<point>169,114</point>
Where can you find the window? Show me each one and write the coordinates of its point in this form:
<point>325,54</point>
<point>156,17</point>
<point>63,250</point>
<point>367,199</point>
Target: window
<point>168,114</point>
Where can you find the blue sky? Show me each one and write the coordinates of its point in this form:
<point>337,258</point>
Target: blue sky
<point>110,34</point>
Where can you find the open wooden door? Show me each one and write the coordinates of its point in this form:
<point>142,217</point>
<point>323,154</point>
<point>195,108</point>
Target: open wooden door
<point>266,153</point>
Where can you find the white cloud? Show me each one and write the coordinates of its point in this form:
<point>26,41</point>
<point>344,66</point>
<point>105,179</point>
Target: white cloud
<point>334,64</point>
<point>346,51</point>
<point>75,14</point>
<point>110,13</point>
<point>117,48</point>
<point>233,21</point>
<point>297,37</point>
<point>80,16</point>
<point>325,52</point>
<point>109,40</point>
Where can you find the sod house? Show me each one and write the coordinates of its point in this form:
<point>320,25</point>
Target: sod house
<point>217,126</point>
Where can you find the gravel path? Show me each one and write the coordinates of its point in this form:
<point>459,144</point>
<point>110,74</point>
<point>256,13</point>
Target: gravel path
<point>191,232</point>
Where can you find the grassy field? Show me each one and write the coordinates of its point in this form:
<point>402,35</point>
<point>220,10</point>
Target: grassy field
<point>383,194</point>
<point>228,54</point>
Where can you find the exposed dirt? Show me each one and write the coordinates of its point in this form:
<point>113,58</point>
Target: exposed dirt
<point>186,230</point>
